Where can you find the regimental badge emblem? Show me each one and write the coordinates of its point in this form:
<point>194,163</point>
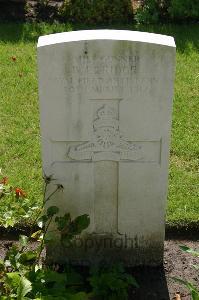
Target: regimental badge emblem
<point>107,142</point>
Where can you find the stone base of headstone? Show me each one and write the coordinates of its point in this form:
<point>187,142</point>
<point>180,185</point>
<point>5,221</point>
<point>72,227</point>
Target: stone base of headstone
<point>105,249</point>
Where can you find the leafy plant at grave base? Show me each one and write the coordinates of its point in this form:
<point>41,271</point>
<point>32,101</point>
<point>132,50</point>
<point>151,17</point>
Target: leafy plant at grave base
<point>111,283</point>
<point>189,285</point>
<point>14,204</point>
<point>23,274</point>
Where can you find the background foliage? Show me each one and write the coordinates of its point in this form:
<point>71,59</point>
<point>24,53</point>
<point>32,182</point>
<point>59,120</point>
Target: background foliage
<point>97,11</point>
<point>154,11</point>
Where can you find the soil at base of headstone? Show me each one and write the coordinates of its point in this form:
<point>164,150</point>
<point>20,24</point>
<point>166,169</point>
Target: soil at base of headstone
<point>155,282</point>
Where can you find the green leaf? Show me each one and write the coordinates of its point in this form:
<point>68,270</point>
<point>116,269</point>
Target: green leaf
<point>42,220</point>
<point>196,267</point>
<point>111,282</point>
<point>189,250</point>
<point>13,279</point>
<point>24,288</point>
<point>53,276</point>
<point>49,236</point>
<point>7,263</point>
<point>131,281</point>
<point>9,222</point>
<point>179,280</point>
<point>63,222</point>
<point>12,257</point>
<point>81,223</point>
<point>188,284</point>
<point>28,257</point>
<point>195,295</point>
<point>2,265</point>
<point>38,267</point>
<point>66,239</point>
<point>23,240</point>
<point>35,207</point>
<point>36,235</point>
<point>52,210</point>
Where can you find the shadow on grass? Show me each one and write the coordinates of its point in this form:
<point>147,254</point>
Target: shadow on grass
<point>186,36</point>
<point>28,32</point>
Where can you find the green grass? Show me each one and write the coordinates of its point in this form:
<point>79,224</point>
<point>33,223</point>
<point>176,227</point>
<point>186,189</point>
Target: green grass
<point>19,114</point>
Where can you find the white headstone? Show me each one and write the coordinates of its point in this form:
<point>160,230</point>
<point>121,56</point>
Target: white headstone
<point>106,104</point>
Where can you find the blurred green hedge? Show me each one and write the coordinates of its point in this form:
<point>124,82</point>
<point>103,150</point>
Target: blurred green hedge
<point>102,12</point>
<point>155,11</point>
<point>97,11</point>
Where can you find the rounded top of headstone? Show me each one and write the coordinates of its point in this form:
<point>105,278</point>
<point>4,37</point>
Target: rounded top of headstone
<point>105,34</point>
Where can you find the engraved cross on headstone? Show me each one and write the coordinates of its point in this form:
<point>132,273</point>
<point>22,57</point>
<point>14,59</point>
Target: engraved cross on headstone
<point>108,148</point>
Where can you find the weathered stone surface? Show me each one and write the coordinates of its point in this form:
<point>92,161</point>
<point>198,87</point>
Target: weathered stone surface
<point>106,102</point>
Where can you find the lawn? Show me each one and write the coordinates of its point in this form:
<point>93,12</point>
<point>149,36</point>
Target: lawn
<point>19,114</point>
